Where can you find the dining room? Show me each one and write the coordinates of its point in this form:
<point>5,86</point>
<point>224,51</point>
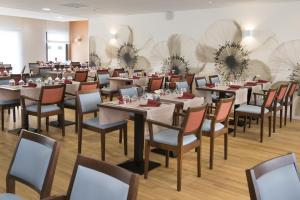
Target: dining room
<point>149,100</point>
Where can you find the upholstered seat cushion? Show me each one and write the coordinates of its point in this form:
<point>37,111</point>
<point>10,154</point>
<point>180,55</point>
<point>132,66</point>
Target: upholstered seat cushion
<point>70,102</point>
<point>9,196</point>
<point>107,89</point>
<point>251,109</point>
<point>207,123</point>
<point>94,122</point>
<point>9,102</point>
<point>170,137</point>
<point>44,109</point>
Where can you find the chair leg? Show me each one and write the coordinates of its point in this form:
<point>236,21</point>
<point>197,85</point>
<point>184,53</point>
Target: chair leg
<point>95,114</point>
<point>120,136</point>
<point>198,149</point>
<point>2,119</point>
<point>250,121</point>
<point>39,124</point>
<point>62,125</point>
<point>245,122</point>
<point>102,146</point>
<point>8,111</point>
<point>274,120</point>
<point>262,129</point>
<point>225,146</point>
<point>291,112</point>
<point>167,158</point>
<point>111,96</point>
<point>270,126</point>
<point>79,138</point>
<point>125,140</point>
<point>179,171</point>
<point>14,114</point>
<point>47,124</point>
<point>285,114</point>
<point>212,148</point>
<point>76,121</point>
<point>280,125</point>
<point>147,152</point>
<point>235,124</point>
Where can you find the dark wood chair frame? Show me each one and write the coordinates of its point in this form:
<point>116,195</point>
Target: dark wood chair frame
<point>122,128</point>
<point>180,149</point>
<point>81,72</point>
<point>214,134</point>
<point>265,167</point>
<point>47,185</point>
<point>150,83</point>
<point>261,115</point>
<point>211,77</point>
<point>60,113</point>
<point>111,170</point>
<point>190,80</point>
<point>288,102</point>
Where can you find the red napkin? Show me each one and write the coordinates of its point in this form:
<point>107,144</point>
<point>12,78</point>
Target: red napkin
<point>210,85</point>
<point>187,95</point>
<point>121,101</point>
<point>151,103</point>
<point>32,85</point>
<point>250,84</point>
<point>262,81</point>
<point>135,77</point>
<point>235,86</point>
<point>68,82</point>
<point>154,76</point>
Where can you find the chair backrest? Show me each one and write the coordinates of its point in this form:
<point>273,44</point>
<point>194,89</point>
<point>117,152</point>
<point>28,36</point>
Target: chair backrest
<point>4,80</point>
<point>155,83</point>
<point>103,79</point>
<point>223,109</point>
<point>275,179</point>
<point>117,72</point>
<point>214,79</point>
<point>33,163</point>
<point>183,85</point>
<point>75,64</point>
<point>190,78</point>
<point>88,101</point>
<point>292,89</point>
<point>88,86</point>
<point>194,120</point>
<point>281,92</point>
<point>131,92</point>
<point>200,81</point>
<point>268,102</point>
<point>81,76</point>
<point>97,180</point>
<point>53,94</point>
<point>102,71</point>
<point>18,77</point>
<point>175,78</point>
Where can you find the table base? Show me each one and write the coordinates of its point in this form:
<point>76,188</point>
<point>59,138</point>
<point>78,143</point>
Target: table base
<point>138,167</point>
<point>57,125</point>
<point>163,152</point>
<point>17,131</point>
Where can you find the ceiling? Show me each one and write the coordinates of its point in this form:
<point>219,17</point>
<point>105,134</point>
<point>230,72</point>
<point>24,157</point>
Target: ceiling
<point>66,10</point>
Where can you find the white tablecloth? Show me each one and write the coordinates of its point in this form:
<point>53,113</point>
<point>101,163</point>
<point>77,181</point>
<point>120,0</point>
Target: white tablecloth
<point>195,102</point>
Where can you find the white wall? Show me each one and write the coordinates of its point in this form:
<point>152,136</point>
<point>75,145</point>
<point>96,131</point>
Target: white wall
<point>33,36</point>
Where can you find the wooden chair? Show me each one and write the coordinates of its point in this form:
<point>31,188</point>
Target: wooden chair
<point>33,164</point>
<point>81,76</point>
<point>275,179</point>
<point>183,85</point>
<point>190,80</point>
<point>177,139</point>
<point>103,78</point>
<point>87,102</point>
<point>278,104</point>
<point>253,111</point>
<point>51,102</point>
<point>116,72</point>
<point>94,180</point>
<point>155,83</point>
<point>289,99</point>
<point>70,103</point>
<point>173,80</point>
<point>214,79</point>
<point>217,125</point>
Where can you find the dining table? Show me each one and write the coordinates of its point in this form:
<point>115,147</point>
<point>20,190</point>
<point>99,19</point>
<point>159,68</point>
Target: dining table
<point>116,83</point>
<point>113,111</point>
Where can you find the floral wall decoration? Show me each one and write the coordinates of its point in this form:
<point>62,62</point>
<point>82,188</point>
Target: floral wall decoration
<point>176,55</point>
<point>224,46</point>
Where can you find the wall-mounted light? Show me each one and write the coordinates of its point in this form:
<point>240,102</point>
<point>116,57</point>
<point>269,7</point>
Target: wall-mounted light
<point>248,33</point>
<point>78,39</point>
<point>113,39</point>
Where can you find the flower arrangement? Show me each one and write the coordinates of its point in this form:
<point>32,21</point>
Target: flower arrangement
<point>127,55</point>
<point>231,60</point>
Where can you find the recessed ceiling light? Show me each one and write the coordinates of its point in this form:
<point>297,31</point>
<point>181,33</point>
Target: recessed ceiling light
<point>46,9</point>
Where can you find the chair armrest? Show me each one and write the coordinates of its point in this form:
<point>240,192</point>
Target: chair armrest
<point>56,197</point>
<point>151,122</point>
<point>28,98</point>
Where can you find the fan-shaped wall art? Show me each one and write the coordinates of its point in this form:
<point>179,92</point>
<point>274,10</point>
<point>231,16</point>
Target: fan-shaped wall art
<point>176,54</point>
<point>224,46</point>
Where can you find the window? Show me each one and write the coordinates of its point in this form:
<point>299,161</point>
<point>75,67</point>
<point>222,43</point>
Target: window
<point>57,46</point>
<point>11,49</point>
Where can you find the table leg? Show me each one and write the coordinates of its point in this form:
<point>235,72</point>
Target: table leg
<point>137,164</point>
